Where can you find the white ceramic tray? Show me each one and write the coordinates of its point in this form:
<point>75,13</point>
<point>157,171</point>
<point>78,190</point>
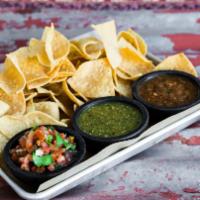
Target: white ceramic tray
<point>150,137</point>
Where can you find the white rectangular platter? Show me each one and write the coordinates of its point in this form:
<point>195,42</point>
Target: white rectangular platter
<point>122,152</point>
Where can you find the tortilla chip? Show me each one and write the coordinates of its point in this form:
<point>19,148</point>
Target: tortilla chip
<point>55,88</point>
<point>39,82</point>
<point>30,66</point>
<point>3,141</point>
<point>93,79</point>
<point>177,62</point>
<point>133,62</point>
<point>30,96</point>
<point>134,39</point>
<point>123,87</point>
<point>108,35</point>
<point>60,104</point>
<point>37,48</point>
<point>57,46</point>
<point>48,107</point>
<point>65,120</point>
<point>75,53</point>
<point>15,101</point>
<point>66,69</point>
<point>12,78</point>
<point>71,95</point>
<point>60,78</point>
<point>90,48</point>
<point>4,107</point>
<point>11,125</point>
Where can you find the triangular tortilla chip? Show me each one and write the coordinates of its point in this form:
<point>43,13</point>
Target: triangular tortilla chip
<point>133,62</point>
<point>177,62</point>
<point>16,102</point>
<point>12,79</point>
<point>3,141</point>
<point>57,46</point>
<point>90,47</point>
<point>134,39</point>
<point>71,95</point>
<point>37,48</point>
<point>11,125</point>
<point>108,35</point>
<point>93,79</point>
<point>4,107</point>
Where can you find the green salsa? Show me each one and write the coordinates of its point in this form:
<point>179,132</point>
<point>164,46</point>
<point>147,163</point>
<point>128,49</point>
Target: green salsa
<point>110,119</point>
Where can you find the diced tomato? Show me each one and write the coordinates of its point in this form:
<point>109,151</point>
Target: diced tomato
<point>44,145</point>
<point>51,167</point>
<point>61,159</point>
<point>38,142</point>
<point>62,135</point>
<point>39,134</point>
<point>29,142</point>
<point>46,150</point>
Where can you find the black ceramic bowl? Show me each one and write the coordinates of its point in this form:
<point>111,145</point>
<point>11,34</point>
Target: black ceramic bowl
<point>157,111</point>
<point>95,141</point>
<point>37,177</point>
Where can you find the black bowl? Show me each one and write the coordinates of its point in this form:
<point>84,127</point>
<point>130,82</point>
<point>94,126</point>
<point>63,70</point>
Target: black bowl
<point>98,142</point>
<point>34,177</point>
<point>162,112</point>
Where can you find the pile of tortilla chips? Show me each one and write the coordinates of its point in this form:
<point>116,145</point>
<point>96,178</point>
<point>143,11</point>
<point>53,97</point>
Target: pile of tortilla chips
<point>45,81</point>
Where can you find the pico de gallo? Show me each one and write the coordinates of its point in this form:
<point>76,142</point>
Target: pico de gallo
<point>44,149</point>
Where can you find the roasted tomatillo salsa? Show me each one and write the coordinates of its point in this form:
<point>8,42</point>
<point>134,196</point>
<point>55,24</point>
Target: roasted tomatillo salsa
<point>168,91</point>
<point>110,119</point>
<point>43,149</point>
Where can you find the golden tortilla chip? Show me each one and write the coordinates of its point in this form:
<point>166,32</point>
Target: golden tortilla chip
<point>30,107</point>
<point>134,39</point>
<point>15,101</point>
<point>177,62</point>
<point>11,125</point>
<point>4,107</point>
<point>60,78</point>
<point>55,88</point>
<point>123,75</point>
<point>30,66</point>
<point>71,95</point>
<point>133,62</point>
<point>74,53</point>
<point>122,86</point>
<point>66,66</point>
<point>108,35</point>
<point>3,141</point>
<point>93,79</point>
<point>12,78</point>
<point>66,121</point>
<point>90,48</point>
<point>57,46</point>
<point>37,48</point>
<point>48,107</point>
<point>60,104</point>
<point>63,104</point>
<point>30,96</point>
<point>39,82</point>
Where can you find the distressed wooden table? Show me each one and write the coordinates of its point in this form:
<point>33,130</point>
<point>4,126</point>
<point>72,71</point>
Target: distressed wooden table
<point>169,170</point>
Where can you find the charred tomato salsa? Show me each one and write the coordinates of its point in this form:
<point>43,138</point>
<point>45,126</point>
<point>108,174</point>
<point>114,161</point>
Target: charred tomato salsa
<point>43,149</point>
<point>168,91</point>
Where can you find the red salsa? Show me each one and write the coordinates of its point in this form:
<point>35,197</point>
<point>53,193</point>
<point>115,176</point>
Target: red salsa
<point>168,91</point>
<point>43,149</point>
